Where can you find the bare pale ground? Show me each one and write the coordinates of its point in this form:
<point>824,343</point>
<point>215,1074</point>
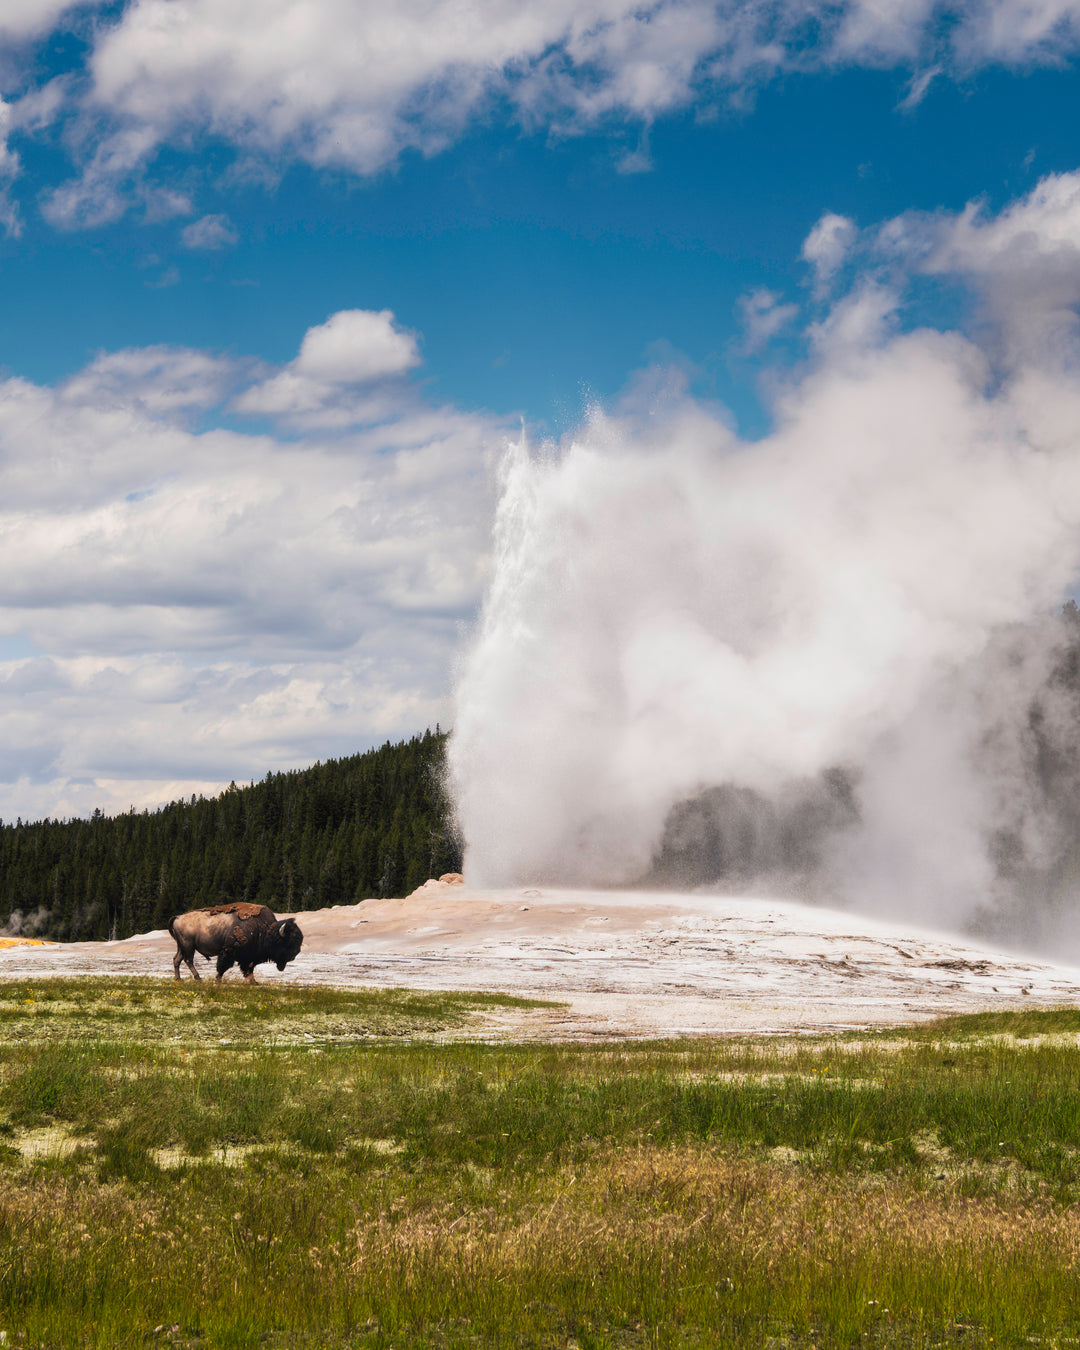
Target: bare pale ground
<point>627,964</point>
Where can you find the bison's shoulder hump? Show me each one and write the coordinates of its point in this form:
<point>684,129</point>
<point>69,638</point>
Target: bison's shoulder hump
<point>241,909</point>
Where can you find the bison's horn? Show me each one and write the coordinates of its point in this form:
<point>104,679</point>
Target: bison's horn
<point>282,927</point>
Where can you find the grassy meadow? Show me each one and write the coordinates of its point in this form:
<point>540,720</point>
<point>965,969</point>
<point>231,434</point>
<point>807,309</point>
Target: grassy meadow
<point>200,1166</point>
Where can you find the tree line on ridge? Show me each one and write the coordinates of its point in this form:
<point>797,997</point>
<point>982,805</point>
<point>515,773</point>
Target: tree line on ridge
<point>371,824</point>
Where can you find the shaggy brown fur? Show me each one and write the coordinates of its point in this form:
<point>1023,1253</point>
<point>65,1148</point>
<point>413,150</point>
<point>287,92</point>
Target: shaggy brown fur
<point>237,933</point>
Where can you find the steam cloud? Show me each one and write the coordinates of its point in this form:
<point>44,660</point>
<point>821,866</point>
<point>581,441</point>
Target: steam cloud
<point>829,661</point>
<point>25,925</point>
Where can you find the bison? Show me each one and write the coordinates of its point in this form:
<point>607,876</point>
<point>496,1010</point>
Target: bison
<point>241,934</point>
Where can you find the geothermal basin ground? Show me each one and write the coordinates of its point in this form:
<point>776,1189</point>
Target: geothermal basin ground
<point>625,964</point>
<point>297,1165</point>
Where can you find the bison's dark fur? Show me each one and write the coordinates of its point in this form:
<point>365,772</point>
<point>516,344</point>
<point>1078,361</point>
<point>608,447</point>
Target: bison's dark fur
<point>238,934</point>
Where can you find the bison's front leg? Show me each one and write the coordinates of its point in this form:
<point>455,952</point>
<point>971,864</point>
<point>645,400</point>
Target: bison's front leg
<point>249,974</point>
<point>224,962</point>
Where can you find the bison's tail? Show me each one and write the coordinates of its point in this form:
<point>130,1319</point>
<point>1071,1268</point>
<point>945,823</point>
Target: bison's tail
<point>171,922</point>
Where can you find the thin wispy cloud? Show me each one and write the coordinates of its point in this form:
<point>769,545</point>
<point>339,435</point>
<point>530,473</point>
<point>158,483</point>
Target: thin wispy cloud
<point>764,315</point>
<point>826,247</point>
<point>210,233</point>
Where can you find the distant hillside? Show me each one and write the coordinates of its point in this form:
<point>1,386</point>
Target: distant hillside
<point>374,824</point>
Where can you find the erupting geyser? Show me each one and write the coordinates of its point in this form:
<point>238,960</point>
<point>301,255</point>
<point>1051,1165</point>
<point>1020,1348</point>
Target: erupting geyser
<point>831,661</point>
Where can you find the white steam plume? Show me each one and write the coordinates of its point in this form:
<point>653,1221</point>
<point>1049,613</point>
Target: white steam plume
<point>674,611</point>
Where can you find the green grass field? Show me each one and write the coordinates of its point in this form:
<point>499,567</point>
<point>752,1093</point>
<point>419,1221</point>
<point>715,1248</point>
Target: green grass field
<point>187,1165</point>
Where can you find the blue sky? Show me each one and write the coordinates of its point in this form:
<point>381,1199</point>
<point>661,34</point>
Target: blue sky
<point>538,274</point>
<point>229,550</point>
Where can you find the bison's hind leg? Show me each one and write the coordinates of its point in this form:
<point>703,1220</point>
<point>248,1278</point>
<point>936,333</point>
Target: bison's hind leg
<point>189,960</point>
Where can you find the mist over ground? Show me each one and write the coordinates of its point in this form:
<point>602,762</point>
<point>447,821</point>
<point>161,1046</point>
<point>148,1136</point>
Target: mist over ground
<point>829,663</point>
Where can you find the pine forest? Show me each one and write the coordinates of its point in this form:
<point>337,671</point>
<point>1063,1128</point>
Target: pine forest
<point>373,824</point>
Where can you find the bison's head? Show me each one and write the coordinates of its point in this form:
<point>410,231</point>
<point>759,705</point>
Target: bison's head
<point>288,940</point>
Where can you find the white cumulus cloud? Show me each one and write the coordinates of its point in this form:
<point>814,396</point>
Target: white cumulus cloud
<point>338,377</point>
<point>195,606</point>
<point>22,19</point>
<point>157,380</point>
<point>1022,264</point>
<point>351,85</point>
<point>355,345</point>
